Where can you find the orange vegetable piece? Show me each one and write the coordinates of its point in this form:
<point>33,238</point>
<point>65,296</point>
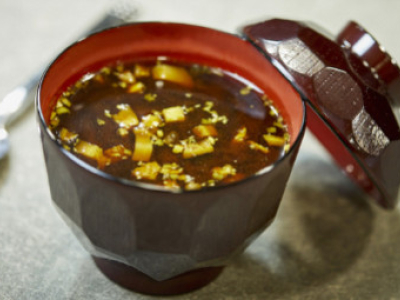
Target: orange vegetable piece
<point>203,131</point>
<point>126,117</point>
<point>92,151</point>
<point>173,74</point>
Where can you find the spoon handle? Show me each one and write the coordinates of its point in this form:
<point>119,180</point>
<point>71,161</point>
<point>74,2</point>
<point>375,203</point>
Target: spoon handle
<point>17,100</point>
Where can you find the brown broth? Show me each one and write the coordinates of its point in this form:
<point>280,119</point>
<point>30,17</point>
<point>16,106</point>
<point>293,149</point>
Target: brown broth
<point>88,122</point>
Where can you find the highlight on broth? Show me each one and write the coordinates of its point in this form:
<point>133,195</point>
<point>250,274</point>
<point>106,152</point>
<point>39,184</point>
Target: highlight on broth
<point>179,125</point>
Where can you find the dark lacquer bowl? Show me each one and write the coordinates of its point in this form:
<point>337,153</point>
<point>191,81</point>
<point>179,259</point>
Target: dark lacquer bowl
<point>142,236</point>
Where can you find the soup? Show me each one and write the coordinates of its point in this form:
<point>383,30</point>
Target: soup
<point>170,123</point>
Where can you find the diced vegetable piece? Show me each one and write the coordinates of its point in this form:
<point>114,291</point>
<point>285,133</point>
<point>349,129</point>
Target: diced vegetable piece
<point>271,129</point>
<point>173,114</point>
<point>210,182</point>
<point>185,178</point>
<point>99,78</point>
<point>92,151</point>
<point>126,76</point>
<point>173,74</point>
<point>171,138</point>
<point>137,87</point>
<point>274,140</point>
<point>215,117</point>
<point>212,140</point>
<point>245,91</point>
<point>53,115</point>
<point>59,103</point>
<point>196,149</point>
<point>208,106</point>
<point>241,135</point>
<point>191,186</point>
<point>202,131</point>
<point>54,122</point>
<point>122,84</point>
<point>152,121</point>
<point>147,171</point>
<point>89,150</point>
<point>158,142</point>
<point>126,117</point>
<point>220,173</point>
<point>107,113</point>
<point>62,110</point>
<point>120,67</point>
<point>100,122</point>
<point>117,153</point>
<point>171,171</point>
<point>66,102</point>
<point>258,147</point>
<point>141,71</point>
<point>150,97</point>
<point>105,70</point>
<point>177,149</point>
<point>122,131</point>
<point>143,145</point>
<point>67,136</point>
<point>273,112</point>
<point>279,124</point>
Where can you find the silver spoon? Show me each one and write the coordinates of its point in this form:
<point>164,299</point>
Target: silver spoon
<point>21,97</point>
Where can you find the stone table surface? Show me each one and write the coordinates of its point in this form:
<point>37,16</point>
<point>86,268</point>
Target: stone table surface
<point>328,240</point>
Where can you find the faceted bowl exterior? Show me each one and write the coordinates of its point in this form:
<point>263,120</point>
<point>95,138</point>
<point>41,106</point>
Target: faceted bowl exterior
<point>159,232</point>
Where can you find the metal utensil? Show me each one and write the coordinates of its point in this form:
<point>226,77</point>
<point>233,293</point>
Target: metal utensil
<point>21,97</point>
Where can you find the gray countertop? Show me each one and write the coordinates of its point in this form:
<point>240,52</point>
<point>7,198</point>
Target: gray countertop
<point>327,242</point>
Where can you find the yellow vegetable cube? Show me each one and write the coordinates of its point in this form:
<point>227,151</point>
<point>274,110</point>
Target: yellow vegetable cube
<point>173,114</point>
<point>173,74</point>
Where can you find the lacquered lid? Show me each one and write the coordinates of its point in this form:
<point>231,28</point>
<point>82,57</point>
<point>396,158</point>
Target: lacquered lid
<point>352,87</point>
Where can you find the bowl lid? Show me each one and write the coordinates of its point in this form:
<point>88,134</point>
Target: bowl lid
<point>352,90</point>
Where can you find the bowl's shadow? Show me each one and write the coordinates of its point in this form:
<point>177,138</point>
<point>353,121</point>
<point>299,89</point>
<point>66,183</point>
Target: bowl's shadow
<point>321,230</point>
